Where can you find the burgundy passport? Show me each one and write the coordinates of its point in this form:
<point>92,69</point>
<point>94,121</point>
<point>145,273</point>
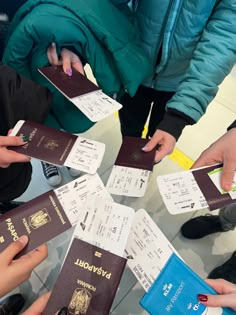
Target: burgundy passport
<point>45,143</point>
<point>41,219</point>
<point>212,195</point>
<point>131,154</point>
<point>73,86</point>
<point>88,281</point>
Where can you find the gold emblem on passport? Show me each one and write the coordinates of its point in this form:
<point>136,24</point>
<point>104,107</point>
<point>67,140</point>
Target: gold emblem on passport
<point>51,145</point>
<point>136,156</point>
<point>98,254</point>
<point>80,301</point>
<point>39,219</point>
<point>2,240</point>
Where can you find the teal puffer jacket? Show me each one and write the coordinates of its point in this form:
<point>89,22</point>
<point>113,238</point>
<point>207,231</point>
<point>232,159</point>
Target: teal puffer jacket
<point>197,41</point>
<point>114,53</point>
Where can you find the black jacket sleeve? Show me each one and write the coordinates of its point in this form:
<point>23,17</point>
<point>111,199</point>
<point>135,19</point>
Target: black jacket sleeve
<point>21,98</point>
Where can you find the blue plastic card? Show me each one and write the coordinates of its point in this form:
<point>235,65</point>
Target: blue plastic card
<point>175,292</point>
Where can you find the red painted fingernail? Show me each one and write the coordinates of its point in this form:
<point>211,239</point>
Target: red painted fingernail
<point>202,298</point>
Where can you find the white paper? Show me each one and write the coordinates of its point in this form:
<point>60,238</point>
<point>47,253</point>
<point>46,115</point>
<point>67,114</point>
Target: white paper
<point>86,155</point>
<point>181,193</point>
<point>96,105</point>
<point>147,250</point>
<point>74,194</point>
<point>105,224</point>
<point>127,181</point>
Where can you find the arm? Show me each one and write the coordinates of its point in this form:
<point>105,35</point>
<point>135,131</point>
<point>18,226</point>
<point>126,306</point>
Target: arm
<point>212,61</point>
<point>15,271</point>
<point>226,297</point>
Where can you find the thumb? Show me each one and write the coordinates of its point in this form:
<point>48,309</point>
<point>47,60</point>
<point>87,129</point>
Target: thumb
<point>227,175</point>
<point>14,248</point>
<point>226,300</point>
<point>152,144</point>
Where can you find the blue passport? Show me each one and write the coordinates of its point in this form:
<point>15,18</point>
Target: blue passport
<point>175,292</point>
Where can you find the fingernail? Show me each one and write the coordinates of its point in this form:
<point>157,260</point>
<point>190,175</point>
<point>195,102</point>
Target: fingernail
<point>228,186</point>
<point>69,72</point>
<point>25,139</point>
<point>144,148</point>
<point>202,298</point>
<point>23,239</point>
<point>63,311</point>
<point>53,44</point>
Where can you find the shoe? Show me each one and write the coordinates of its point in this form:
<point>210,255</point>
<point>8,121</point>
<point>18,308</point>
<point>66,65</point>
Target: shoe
<point>51,173</point>
<point>73,172</point>
<point>201,226</point>
<point>9,205</point>
<point>12,305</point>
<point>226,271</point>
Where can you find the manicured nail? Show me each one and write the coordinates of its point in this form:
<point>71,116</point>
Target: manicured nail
<point>202,298</point>
<point>25,139</point>
<point>63,311</point>
<point>53,44</point>
<point>69,72</point>
<point>23,239</point>
<point>144,148</point>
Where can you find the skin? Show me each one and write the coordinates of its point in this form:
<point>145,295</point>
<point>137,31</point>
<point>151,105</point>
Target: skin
<point>8,156</point>
<point>16,271</point>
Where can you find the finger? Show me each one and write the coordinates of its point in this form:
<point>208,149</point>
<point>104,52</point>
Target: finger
<point>78,66</point>
<point>34,258</point>
<point>14,157</point>
<point>9,132</point>
<point>227,175</point>
<point>221,286</point>
<point>52,55</point>
<point>162,151</point>
<point>66,62</point>
<point>13,249</point>
<point>11,141</point>
<point>227,300</point>
<point>38,306</point>
<point>152,143</point>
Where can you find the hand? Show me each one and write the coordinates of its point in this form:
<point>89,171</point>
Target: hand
<point>15,271</point>
<point>226,297</point>
<point>38,306</point>
<point>68,60</point>
<point>223,150</point>
<point>8,156</point>
<point>165,143</point>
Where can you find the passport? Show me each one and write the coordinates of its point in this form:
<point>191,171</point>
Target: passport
<point>88,281</point>
<point>175,292</point>
<point>71,87</point>
<point>59,147</point>
<point>41,219</point>
<point>132,155</point>
<point>45,143</point>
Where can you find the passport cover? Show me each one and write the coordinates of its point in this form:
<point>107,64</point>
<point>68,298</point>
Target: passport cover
<point>88,281</point>
<point>212,195</point>
<point>175,292</point>
<point>41,219</point>
<point>73,86</point>
<point>131,154</point>
<point>45,143</point>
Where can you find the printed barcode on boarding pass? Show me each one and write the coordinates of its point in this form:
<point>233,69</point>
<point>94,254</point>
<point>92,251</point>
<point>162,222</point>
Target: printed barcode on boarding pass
<point>137,272</point>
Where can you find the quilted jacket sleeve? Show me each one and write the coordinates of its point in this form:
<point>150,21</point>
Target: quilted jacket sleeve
<point>212,61</point>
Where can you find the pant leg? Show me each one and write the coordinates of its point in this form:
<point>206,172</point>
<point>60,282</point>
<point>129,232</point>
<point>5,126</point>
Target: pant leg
<point>158,110</point>
<point>227,217</point>
<point>135,111</point>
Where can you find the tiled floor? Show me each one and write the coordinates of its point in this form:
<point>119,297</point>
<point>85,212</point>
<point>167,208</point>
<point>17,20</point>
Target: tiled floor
<point>202,255</point>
